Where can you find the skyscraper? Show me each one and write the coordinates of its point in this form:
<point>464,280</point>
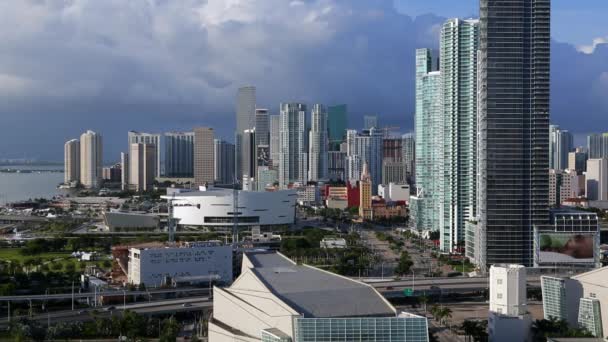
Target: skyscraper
<point>364,148</point>
<point>124,171</point>
<point>408,148</point>
<point>597,146</point>
<point>513,129</point>
<point>71,164</point>
<point>249,153</point>
<point>560,144</point>
<point>245,119</point>
<point>262,127</point>
<point>148,138</point>
<point>275,139</point>
<point>293,158</point>
<point>142,166</point>
<point>577,160</point>
<point>179,154</point>
<point>223,158</point>
<point>337,121</point>
<point>203,156</point>
<point>318,144</point>
<point>596,178</point>
<point>370,121</point>
<point>336,165</point>
<point>91,159</point>
<point>425,206</point>
<point>458,66</point>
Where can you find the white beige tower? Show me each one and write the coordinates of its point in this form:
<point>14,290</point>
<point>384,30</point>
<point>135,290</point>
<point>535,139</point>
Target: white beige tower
<point>91,156</point>
<point>71,161</point>
<point>142,166</point>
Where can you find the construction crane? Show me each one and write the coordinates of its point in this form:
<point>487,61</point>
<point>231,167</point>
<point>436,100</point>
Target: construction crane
<point>235,214</point>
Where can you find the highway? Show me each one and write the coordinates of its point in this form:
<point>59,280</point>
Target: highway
<point>77,295</point>
<point>145,308</point>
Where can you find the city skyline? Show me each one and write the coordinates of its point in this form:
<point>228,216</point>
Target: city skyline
<point>84,101</point>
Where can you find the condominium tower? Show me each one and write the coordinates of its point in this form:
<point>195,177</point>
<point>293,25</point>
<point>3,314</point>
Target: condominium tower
<point>148,138</point>
<point>71,164</point>
<point>513,129</point>
<point>91,159</point>
<point>425,206</point>
<point>362,148</point>
<point>293,156</point>
<point>142,166</point>
<point>458,66</point>
<point>245,119</point>
<point>275,139</point>
<point>223,157</point>
<point>560,144</point>
<point>203,156</point>
<point>318,144</point>
<point>262,127</point>
<point>597,146</point>
<point>337,122</point>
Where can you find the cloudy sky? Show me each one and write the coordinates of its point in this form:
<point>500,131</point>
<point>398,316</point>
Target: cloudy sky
<point>160,65</point>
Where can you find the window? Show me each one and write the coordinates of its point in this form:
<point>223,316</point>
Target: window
<point>499,295</point>
<point>499,281</point>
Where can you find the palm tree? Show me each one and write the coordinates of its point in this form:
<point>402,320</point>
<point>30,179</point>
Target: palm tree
<point>446,314</point>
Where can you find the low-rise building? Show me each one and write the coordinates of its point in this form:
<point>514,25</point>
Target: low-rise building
<point>394,192</point>
<point>384,209</point>
<point>206,261</point>
<point>118,221</point>
<point>332,242</point>
<point>275,299</point>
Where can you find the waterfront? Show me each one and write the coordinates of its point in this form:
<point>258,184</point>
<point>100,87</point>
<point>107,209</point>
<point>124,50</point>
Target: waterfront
<point>35,184</point>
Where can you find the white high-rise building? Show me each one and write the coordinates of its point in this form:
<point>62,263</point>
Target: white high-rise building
<point>596,178</point>
<point>293,158</point>
<point>245,119</point>
<point>318,144</point>
<point>508,316</point>
<point>275,139</point>
<point>365,147</point>
<point>148,138</point>
<point>71,161</point>
<point>91,159</point>
<point>142,166</point>
<point>408,147</point>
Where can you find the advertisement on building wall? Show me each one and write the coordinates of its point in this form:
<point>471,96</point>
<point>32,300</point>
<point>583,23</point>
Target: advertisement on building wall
<point>566,248</point>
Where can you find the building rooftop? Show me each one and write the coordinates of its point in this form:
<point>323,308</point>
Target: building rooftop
<point>317,293</point>
<point>597,276</point>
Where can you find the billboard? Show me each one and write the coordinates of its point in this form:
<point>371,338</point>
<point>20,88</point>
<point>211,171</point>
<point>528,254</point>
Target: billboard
<point>566,248</point>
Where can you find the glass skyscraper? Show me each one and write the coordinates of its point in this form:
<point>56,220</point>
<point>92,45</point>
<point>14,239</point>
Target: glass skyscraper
<point>179,154</point>
<point>425,205</point>
<point>317,153</point>
<point>513,128</point>
<point>336,125</point>
<point>458,66</point>
<point>293,156</point>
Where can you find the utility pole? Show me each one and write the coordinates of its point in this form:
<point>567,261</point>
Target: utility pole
<point>235,217</point>
<point>72,295</point>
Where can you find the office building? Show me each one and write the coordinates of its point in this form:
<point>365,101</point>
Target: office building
<point>245,119</point>
<point>262,127</point>
<point>425,206</point>
<point>560,144</point>
<point>336,165</point>
<point>408,147</point>
<point>142,166</point>
<point>579,300</point>
<point>293,158</point>
<point>370,121</point>
<point>192,262</point>
<point>513,129</point>
<point>71,165</point>
<point>508,316</point>
<point>148,138</point>
<point>318,144</point>
<point>596,178</point>
<point>275,299</point>
<point>179,154</point>
<point>365,194</point>
<point>91,159</point>
<point>337,122</point>
<point>458,65</point>
<point>124,171</point>
<point>577,160</point>
<point>249,156</point>
<point>392,148</point>
<point>223,158</point>
<point>204,164</point>
<point>364,148</point>
<point>275,139</point>
<point>214,207</point>
<point>597,146</point>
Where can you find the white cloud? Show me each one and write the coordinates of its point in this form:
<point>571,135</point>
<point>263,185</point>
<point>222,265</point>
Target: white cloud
<point>589,49</point>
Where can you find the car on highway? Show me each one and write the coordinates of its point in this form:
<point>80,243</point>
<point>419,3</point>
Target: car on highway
<point>186,305</point>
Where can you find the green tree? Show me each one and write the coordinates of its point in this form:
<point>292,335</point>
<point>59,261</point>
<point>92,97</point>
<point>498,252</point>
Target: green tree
<point>405,264</point>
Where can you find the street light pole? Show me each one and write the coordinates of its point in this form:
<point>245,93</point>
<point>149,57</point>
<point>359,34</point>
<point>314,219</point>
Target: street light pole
<point>413,282</point>
<point>72,295</point>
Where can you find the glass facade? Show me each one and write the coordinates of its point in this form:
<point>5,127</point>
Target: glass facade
<point>274,335</point>
<point>381,329</point>
<point>426,207</point>
<point>513,127</point>
<point>554,298</point>
<point>590,316</point>
<point>336,125</point>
